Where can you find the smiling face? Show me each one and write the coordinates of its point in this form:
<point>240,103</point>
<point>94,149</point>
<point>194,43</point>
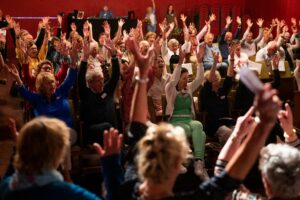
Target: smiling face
<point>183,81</point>
<point>33,51</point>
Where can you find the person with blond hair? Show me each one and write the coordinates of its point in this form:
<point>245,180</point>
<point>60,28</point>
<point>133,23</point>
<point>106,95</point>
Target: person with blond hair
<point>41,147</point>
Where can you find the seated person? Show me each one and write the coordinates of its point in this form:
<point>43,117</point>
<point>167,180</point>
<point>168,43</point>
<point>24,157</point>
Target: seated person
<point>180,108</point>
<point>248,43</point>
<point>161,79</point>
<point>267,53</point>
<point>162,150</point>
<point>214,98</point>
<point>226,37</point>
<point>96,98</point>
<point>44,66</point>
<point>208,57</point>
<point>41,147</point>
<point>106,13</point>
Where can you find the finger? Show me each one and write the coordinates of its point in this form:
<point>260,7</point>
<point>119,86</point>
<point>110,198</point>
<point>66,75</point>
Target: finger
<point>114,138</point>
<point>120,140</point>
<point>250,112</point>
<point>288,109</point>
<point>105,139</point>
<point>98,149</point>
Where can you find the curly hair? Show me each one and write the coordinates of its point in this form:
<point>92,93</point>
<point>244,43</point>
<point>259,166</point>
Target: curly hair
<point>159,150</point>
<point>280,165</point>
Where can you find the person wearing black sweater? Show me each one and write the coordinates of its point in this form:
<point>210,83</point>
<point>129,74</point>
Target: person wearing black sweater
<point>96,98</point>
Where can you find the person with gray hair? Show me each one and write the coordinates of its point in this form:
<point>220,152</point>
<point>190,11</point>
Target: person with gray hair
<point>280,168</point>
<point>96,97</point>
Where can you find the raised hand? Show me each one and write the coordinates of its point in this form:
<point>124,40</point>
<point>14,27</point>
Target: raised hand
<point>212,18</point>
<point>286,119</point>
<point>268,104</point>
<point>238,20</point>
<point>201,53</point>
<point>110,47</point>
<point>171,26</point>
<point>244,125</point>
<point>293,21</point>
<point>285,29</point>
<point>112,143</point>
<point>12,69</point>
<point>260,22</point>
<point>121,22</point>
<point>282,23</point>
<point>215,56</point>
<point>294,29</point>
<point>228,20</point>
<point>183,18</point>
<point>143,61</point>
<point>106,27</point>
<point>249,23</point>
<point>59,19</point>
<point>162,27</point>
<point>45,20</point>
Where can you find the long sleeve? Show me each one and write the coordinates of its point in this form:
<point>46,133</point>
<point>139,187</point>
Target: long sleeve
<point>82,88</point>
<point>32,97</point>
<point>245,35</point>
<point>221,39</point>
<point>113,81</point>
<point>199,78</point>
<point>62,73</point>
<point>13,35</point>
<point>65,87</point>
<point>112,175</point>
<point>276,79</point>
<point>43,51</point>
<point>28,79</point>
<point>40,38</point>
<point>201,34</point>
<point>237,34</point>
<point>175,77</point>
<point>259,37</point>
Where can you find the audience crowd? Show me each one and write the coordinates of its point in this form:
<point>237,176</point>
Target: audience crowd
<point>150,103</point>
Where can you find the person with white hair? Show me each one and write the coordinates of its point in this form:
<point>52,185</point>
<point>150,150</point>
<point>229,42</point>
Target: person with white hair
<point>96,97</point>
<point>280,168</point>
<point>267,53</point>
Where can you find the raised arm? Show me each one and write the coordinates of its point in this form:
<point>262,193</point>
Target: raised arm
<point>113,81</point>
<point>244,126</point>
<point>118,35</point>
<point>82,87</point>
<point>200,70</point>
<point>111,162</point>
<point>139,100</point>
<point>267,104</point>
<point>249,25</point>
<point>259,23</point>
<point>238,31</point>
<point>286,122</point>
<point>214,66</point>
<point>228,22</point>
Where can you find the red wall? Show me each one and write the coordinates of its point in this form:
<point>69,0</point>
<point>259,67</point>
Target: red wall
<point>268,9</point>
<point>119,7</point>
